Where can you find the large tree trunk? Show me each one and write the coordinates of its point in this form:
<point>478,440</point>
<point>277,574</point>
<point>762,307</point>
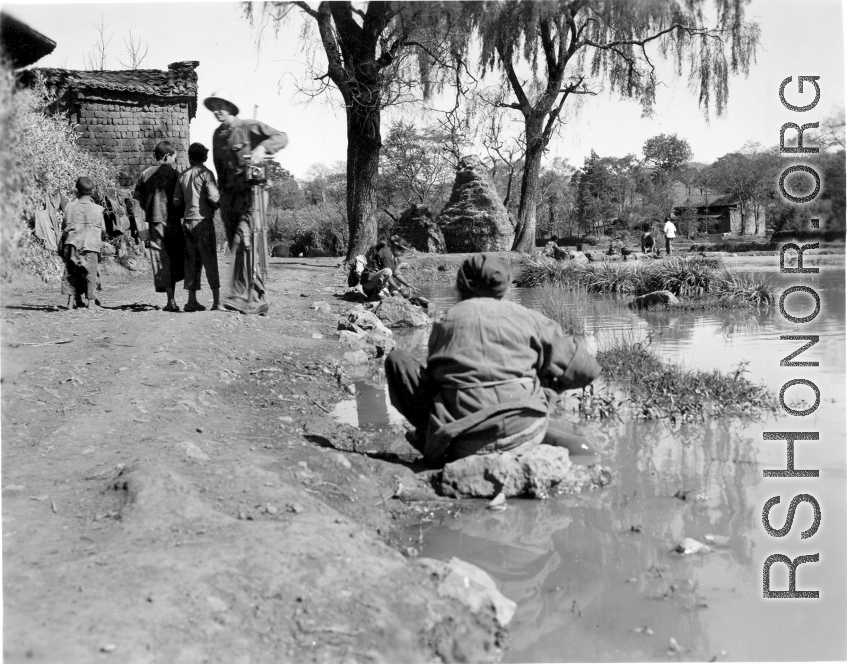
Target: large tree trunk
<point>364,143</point>
<point>525,237</point>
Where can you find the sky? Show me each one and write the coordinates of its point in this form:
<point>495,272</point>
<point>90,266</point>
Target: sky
<point>798,38</point>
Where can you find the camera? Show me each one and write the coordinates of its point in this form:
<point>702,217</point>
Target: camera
<point>256,173</point>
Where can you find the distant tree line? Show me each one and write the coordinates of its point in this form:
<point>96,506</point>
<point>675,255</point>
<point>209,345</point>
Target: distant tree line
<point>606,194</point>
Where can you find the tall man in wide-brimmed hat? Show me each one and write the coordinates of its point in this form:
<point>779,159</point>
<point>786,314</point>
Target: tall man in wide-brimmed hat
<point>235,145</point>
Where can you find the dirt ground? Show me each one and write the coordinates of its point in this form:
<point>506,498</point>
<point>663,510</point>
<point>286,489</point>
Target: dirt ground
<point>171,492</point>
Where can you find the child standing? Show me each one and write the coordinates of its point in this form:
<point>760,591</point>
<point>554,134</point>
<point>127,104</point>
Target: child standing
<point>81,242</point>
<point>197,194</point>
<point>155,192</point>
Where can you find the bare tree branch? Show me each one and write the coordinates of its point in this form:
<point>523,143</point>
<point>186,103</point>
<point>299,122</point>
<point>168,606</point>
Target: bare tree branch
<point>136,57</point>
<point>96,58</point>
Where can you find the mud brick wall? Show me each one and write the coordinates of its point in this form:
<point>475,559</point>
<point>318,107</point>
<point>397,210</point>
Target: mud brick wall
<point>126,131</point>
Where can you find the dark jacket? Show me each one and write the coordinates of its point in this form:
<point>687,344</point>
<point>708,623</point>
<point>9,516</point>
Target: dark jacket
<point>232,146</point>
<point>486,361</point>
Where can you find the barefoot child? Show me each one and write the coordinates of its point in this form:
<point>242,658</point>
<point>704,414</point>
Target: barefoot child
<point>81,240</point>
<point>155,192</point>
<point>197,194</point>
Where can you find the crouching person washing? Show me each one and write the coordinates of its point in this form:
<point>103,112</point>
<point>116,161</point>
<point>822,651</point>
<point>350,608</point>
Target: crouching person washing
<point>481,389</point>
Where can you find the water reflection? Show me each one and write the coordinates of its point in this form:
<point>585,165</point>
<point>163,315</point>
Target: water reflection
<point>602,563</point>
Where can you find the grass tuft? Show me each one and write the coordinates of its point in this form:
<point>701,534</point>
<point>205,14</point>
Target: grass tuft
<point>656,389</point>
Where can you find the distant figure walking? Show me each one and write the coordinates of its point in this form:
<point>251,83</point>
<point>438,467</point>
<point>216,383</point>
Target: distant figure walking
<point>236,144</point>
<point>670,236</point>
<point>197,197</point>
<point>155,191</point>
<point>82,233</point>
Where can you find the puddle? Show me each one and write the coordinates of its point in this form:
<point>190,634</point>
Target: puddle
<point>371,410</point>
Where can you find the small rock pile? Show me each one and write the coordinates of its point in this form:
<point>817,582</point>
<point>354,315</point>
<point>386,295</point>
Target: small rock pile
<point>365,334</point>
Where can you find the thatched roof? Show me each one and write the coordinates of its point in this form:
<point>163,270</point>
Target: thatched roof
<point>21,44</point>
<point>706,200</point>
<point>178,83</point>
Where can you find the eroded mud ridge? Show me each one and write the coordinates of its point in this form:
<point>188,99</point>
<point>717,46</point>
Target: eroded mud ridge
<point>174,490</point>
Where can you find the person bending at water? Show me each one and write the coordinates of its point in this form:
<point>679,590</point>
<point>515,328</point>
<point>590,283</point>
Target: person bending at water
<point>381,276</point>
<point>493,372</point>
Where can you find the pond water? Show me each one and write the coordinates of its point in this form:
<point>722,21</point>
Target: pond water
<point>595,577</point>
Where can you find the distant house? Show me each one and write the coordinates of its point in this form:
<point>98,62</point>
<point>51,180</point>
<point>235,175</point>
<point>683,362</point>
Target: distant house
<point>121,115</point>
<point>720,213</point>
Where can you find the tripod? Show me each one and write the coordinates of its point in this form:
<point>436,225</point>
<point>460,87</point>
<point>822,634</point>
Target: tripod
<point>257,257</point>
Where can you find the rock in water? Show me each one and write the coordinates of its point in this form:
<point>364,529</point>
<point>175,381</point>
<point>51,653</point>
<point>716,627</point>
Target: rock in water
<point>374,343</point>
<point>396,311</point>
<point>419,229</point>
<point>656,298</point>
<point>471,586</point>
<point>474,219</point>
<point>690,545</point>
<point>359,320</point>
<point>534,473</point>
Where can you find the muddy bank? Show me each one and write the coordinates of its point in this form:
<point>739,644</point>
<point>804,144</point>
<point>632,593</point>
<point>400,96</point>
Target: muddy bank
<point>171,491</point>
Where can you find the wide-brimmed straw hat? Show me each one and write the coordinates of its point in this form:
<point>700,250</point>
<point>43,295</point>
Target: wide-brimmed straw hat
<point>221,96</point>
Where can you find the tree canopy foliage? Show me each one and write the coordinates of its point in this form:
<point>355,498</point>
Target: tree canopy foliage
<point>667,152</point>
<point>573,47</point>
<point>377,54</point>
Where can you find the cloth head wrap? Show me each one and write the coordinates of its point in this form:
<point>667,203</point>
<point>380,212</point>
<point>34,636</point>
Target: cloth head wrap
<point>484,275</point>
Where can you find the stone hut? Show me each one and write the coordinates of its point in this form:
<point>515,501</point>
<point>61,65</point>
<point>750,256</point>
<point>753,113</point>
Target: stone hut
<point>121,115</point>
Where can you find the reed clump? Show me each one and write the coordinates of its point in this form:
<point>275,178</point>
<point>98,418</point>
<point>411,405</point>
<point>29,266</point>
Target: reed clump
<point>560,306</point>
<point>685,277</point>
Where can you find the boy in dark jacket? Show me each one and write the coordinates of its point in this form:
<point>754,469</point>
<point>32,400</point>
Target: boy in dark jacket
<point>155,192</point>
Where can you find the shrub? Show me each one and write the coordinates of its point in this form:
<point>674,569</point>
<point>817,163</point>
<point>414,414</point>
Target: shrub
<point>321,227</point>
<point>39,158</point>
